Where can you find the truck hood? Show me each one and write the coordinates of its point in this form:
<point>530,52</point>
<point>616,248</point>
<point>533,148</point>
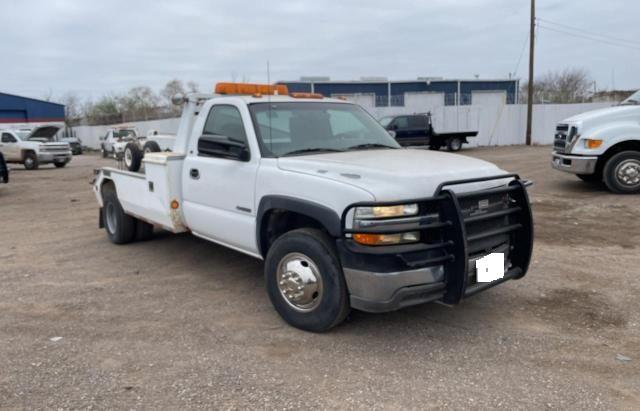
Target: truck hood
<point>394,175</point>
<point>604,115</point>
<point>43,133</point>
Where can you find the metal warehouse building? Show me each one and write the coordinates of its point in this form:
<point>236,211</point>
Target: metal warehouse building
<point>22,110</point>
<point>385,93</point>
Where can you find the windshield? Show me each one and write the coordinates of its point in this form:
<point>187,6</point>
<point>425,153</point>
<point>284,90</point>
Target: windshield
<point>124,133</point>
<point>633,99</point>
<point>22,134</point>
<point>384,121</point>
<point>311,128</point>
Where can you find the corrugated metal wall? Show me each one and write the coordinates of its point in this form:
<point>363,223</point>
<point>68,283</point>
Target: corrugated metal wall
<point>16,109</point>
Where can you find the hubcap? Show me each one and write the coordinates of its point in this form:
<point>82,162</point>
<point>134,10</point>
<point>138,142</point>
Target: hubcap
<point>299,282</point>
<point>455,144</point>
<point>628,173</point>
<point>128,157</point>
<point>28,161</point>
<point>112,222</point>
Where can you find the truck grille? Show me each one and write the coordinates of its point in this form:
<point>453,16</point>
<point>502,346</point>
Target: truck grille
<point>563,137</point>
<point>456,228</point>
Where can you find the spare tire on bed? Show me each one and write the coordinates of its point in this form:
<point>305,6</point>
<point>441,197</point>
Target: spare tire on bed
<point>132,157</point>
<point>151,147</point>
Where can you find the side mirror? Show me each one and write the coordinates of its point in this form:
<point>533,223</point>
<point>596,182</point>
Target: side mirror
<point>210,145</point>
<point>392,133</point>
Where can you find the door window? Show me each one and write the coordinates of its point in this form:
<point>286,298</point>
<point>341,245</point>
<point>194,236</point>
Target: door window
<point>401,122</point>
<point>8,138</point>
<point>225,121</point>
<point>418,122</point>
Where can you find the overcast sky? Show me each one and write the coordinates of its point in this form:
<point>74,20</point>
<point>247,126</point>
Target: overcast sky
<point>96,47</point>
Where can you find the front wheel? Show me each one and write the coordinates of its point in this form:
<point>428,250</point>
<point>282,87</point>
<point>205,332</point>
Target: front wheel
<point>622,173</point>
<point>31,161</point>
<point>60,164</point>
<point>305,281</point>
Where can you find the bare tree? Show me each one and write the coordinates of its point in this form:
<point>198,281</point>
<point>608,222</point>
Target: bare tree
<point>172,88</point>
<point>570,85</point>
<point>138,103</point>
<point>72,107</point>
<point>193,87</point>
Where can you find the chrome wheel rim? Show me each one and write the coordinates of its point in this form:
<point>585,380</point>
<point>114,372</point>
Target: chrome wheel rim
<point>28,162</point>
<point>299,282</point>
<point>112,222</point>
<point>456,144</point>
<point>147,150</point>
<point>628,173</point>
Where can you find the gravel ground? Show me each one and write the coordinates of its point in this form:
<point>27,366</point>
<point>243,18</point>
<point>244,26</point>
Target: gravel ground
<point>181,323</point>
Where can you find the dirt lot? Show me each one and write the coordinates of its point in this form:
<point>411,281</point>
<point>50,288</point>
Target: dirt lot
<point>181,323</point>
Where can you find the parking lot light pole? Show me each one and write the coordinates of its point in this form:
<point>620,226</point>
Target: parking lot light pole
<point>530,85</point>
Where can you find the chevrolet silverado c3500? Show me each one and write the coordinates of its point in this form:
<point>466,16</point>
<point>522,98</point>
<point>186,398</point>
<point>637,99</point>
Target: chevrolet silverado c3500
<point>34,147</point>
<point>602,145</point>
<point>342,216</point>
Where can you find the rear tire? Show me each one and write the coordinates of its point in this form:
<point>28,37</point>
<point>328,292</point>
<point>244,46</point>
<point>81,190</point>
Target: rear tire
<point>104,152</point>
<point>120,227</point>
<point>454,144</point>
<point>151,147</point>
<point>622,173</point>
<point>132,157</point>
<point>434,147</point>
<point>60,165</point>
<point>292,260</point>
<point>144,230</point>
<point>31,161</point>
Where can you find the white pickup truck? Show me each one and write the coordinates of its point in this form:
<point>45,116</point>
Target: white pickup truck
<point>602,145</point>
<point>33,147</point>
<point>341,214</point>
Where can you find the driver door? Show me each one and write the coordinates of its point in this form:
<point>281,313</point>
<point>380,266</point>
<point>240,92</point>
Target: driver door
<point>218,190</point>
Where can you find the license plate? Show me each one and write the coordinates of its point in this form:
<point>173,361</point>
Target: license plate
<point>490,268</point>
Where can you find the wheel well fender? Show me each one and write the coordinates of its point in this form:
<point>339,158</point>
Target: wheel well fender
<point>292,213</point>
<point>24,152</point>
<point>629,145</point>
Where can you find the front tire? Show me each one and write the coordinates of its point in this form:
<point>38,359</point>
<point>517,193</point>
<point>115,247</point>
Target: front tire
<point>120,227</point>
<point>60,164</point>
<point>305,281</point>
<point>31,161</point>
<point>622,173</point>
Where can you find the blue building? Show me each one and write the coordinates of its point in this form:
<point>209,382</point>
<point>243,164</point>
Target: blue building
<point>17,109</point>
<point>392,93</point>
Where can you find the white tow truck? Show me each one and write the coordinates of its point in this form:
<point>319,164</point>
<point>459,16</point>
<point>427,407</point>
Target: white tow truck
<point>602,145</point>
<point>342,216</point>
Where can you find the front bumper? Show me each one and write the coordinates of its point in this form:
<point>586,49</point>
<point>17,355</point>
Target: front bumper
<point>574,164</point>
<point>383,279</point>
<point>58,157</point>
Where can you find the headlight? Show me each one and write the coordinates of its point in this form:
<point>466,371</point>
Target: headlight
<point>366,213</point>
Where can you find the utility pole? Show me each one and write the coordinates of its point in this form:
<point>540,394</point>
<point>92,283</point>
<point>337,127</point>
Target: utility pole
<point>530,85</point>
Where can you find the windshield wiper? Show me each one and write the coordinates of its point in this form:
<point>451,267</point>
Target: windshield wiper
<point>313,150</point>
<point>369,145</point>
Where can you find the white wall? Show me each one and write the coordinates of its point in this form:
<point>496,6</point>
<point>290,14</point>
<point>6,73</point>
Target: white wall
<point>497,123</point>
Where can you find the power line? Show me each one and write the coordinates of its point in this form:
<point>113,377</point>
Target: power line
<point>590,33</point>
<point>588,37</point>
<point>524,47</point>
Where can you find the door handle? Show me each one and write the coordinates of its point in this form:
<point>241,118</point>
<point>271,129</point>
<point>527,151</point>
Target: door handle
<point>194,173</point>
